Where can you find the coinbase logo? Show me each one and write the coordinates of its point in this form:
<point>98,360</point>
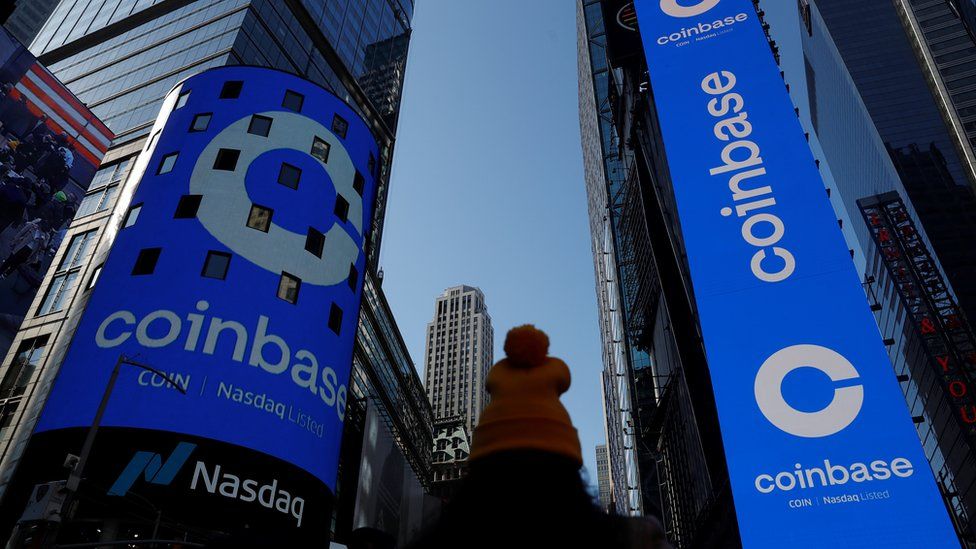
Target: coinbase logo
<point>838,414</point>
<point>226,202</point>
<point>672,8</point>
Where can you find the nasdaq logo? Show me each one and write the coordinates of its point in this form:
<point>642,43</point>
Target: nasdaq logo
<point>833,418</point>
<point>152,467</point>
<point>672,8</point>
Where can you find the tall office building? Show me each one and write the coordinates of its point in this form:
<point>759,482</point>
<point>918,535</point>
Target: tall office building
<point>459,354</point>
<point>900,188</point>
<point>903,189</point>
<point>456,362</point>
<point>26,18</point>
<point>665,454</point>
<point>121,58</point>
<point>603,476</point>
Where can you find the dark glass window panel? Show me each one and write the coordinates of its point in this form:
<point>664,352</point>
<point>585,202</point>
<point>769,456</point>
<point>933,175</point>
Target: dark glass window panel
<point>260,218</point>
<point>260,125</point>
<point>21,369</point>
<point>132,215</point>
<point>182,99</point>
<point>342,208</point>
<point>288,287</point>
<point>293,101</point>
<point>335,319</point>
<point>201,122</point>
<point>358,183</point>
<point>315,241</point>
<point>232,89</point>
<point>146,261</point>
<point>289,175</point>
<point>353,277</point>
<point>339,126</point>
<point>226,159</point>
<point>320,149</point>
<point>167,163</point>
<point>188,205</point>
<point>216,265</point>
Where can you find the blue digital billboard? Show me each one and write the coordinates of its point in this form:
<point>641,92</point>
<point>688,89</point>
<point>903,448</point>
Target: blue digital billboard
<point>237,270</point>
<point>818,439</point>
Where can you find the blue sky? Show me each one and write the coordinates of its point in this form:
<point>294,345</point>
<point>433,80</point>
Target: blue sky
<point>487,185</point>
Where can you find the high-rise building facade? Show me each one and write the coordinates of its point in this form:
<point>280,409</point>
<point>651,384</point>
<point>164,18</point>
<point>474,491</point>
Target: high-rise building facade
<point>458,355</point>
<point>902,187</point>
<point>27,17</point>
<point>886,124</point>
<point>664,452</point>
<point>121,57</point>
<point>603,476</point>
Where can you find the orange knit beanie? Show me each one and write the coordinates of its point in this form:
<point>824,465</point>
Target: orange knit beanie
<point>525,412</point>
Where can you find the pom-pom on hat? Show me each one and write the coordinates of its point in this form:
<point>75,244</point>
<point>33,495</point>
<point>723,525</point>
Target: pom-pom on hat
<point>525,412</point>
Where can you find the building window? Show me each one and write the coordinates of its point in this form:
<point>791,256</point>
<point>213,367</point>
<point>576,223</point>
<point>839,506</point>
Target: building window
<point>94,277</point>
<point>152,140</point>
<point>146,262</point>
<point>339,126</point>
<point>260,218</point>
<point>289,175</point>
<point>335,319</point>
<point>288,287</point>
<point>201,122</point>
<point>167,163</point>
<point>293,101</point>
<point>67,273</point>
<point>21,370</point>
<point>358,183</point>
<point>320,149</point>
<point>103,189</point>
<point>353,277</point>
<point>182,99</point>
<point>804,6</point>
<point>232,89</point>
<point>812,93</point>
<point>216,265</point>
<point>7,412</point>
<point>226,159</point>
<point>132,215</point>
<point>260,125</point>
<point>372,165</point>
<point>187,207</point>
<point>315,242</point>
<point>342,208</point>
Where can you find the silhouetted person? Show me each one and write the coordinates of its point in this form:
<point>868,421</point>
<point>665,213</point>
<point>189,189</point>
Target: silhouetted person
<point>524,487</point>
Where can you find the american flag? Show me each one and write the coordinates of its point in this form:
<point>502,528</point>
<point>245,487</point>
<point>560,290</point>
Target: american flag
<point>45,95</point>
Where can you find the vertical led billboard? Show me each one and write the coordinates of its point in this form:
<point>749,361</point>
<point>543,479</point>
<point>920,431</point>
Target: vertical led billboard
<point>820,447</point>
<point>237,271</point>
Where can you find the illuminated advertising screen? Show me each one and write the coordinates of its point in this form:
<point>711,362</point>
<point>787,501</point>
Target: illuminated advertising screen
<point>237,272</point>
<point>50,147</point>
<point>818,439</point>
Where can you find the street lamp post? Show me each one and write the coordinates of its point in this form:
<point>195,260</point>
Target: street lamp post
<point>77,472</point>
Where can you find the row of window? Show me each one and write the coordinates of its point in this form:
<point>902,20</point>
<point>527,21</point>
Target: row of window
<point>261,125</point>
<point>258,218</point>
<point>217,263</point>
<point>288,175</point>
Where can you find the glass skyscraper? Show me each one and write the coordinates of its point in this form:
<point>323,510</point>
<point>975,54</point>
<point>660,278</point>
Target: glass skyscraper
<point>121,57</point>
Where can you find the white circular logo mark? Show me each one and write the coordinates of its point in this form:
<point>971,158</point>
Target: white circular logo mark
<point>226,202</point>
<point>672,8</point>
<point>838,414</point>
